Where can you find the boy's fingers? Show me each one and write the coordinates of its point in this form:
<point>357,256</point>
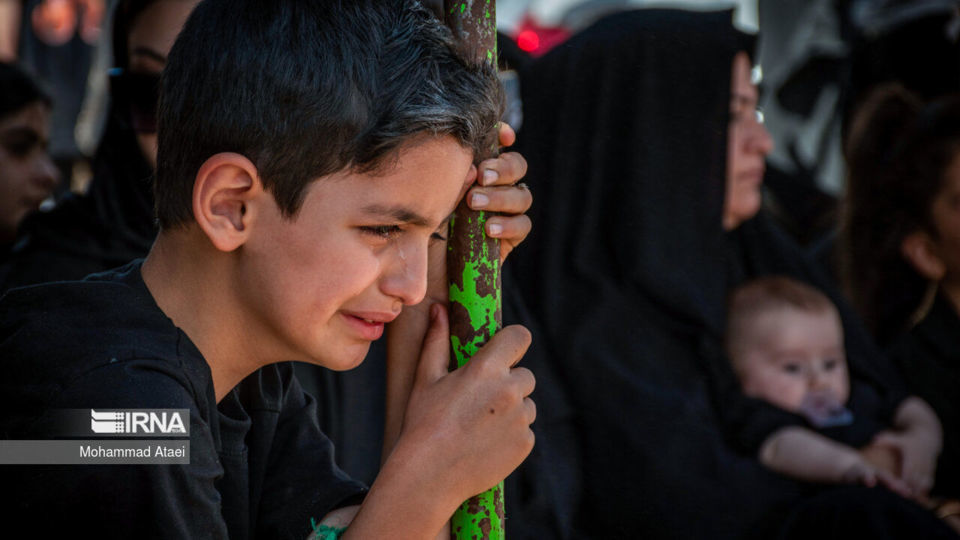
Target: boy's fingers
<point>505,348</point>
<point>525,380</point>
<point>506,135</point>
<point>435,354</point>
<point>514,228</point>
<point>530,410</point>
<point>506,199</point>
<point>505,170</point>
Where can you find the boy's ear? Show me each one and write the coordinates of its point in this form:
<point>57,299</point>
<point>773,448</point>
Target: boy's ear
<point>223,190</point>
<point>919,250</point>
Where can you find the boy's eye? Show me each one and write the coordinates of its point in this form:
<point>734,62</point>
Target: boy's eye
<point>381,231</point>
<point>437,235</point>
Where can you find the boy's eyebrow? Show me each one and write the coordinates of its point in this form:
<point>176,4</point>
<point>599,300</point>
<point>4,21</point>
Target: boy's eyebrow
<point>150,53</point>
<point>398,213</point>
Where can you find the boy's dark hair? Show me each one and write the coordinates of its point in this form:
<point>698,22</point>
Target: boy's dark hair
<point>308,88</point>
<point>18,89</point>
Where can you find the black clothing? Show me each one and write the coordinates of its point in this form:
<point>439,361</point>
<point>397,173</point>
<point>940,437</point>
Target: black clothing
<point>626,275</point>
<point>259,464</point>
<point>350,409</point>
<point>929,359</point>
<point>850,512</point>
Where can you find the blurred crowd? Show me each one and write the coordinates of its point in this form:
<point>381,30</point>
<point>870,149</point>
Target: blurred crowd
<point>743,279</point>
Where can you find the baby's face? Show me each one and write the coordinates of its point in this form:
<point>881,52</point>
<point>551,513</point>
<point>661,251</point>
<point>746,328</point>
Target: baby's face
<point>789,353</point>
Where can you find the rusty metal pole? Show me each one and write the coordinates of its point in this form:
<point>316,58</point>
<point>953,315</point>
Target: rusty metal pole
<point>473,267</point>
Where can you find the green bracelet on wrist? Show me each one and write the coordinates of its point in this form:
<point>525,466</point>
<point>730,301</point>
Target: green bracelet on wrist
<point>325,532</point>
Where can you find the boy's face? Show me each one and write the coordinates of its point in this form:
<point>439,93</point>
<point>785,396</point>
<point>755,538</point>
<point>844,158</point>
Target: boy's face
<point>324,283</point>
<point>789,353</point>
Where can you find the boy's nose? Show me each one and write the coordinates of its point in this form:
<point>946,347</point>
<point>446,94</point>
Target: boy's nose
<point>406,276</point>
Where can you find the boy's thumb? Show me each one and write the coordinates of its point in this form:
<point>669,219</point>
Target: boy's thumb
<point>435,354</point>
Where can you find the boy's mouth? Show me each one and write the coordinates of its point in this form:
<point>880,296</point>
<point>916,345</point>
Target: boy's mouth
<point>368,325</point>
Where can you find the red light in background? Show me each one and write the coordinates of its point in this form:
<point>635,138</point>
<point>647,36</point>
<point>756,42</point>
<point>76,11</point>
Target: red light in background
<point>528,40</point>
<point>537,40</point>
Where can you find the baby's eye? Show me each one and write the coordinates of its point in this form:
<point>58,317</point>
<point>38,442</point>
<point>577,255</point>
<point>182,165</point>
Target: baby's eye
<point>830,364</point>
<point>381,231</point>
<point>791,368</point>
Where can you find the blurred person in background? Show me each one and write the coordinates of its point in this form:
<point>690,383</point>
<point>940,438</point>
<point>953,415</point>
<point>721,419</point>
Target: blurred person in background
<point>112,223</point>
<point>901,248</point>
<point>55,40</point>
<point>27,175</point>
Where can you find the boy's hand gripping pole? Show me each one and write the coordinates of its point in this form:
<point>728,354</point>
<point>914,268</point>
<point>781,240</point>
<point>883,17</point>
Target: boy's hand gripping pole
<point>473,267</point>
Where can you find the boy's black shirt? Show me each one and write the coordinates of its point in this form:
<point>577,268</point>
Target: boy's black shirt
<point>259,464</point>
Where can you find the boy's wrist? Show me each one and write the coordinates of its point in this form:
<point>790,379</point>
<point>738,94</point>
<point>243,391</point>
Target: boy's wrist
<point>408,488</point>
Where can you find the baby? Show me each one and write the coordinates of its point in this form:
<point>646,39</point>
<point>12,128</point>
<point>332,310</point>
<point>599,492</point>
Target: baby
<point>785,341</point>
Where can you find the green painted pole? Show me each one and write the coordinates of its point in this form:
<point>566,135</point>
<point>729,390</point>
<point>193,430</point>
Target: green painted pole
<point>473,269</point>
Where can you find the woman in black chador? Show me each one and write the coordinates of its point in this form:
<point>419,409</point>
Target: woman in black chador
<point>631,130</point>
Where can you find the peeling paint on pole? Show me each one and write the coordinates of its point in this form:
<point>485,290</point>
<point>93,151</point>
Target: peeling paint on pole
<point>473,269</point>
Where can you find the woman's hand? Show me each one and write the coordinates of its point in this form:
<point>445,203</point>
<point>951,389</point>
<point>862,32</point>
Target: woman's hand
<point>918,457</point>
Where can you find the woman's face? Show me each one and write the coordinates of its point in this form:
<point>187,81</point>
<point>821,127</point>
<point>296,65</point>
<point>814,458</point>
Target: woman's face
<point>748,144</point>
<point>149,42</point>
<point>27,175</point>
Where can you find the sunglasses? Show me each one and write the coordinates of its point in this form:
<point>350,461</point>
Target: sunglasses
<point>136,94</point>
